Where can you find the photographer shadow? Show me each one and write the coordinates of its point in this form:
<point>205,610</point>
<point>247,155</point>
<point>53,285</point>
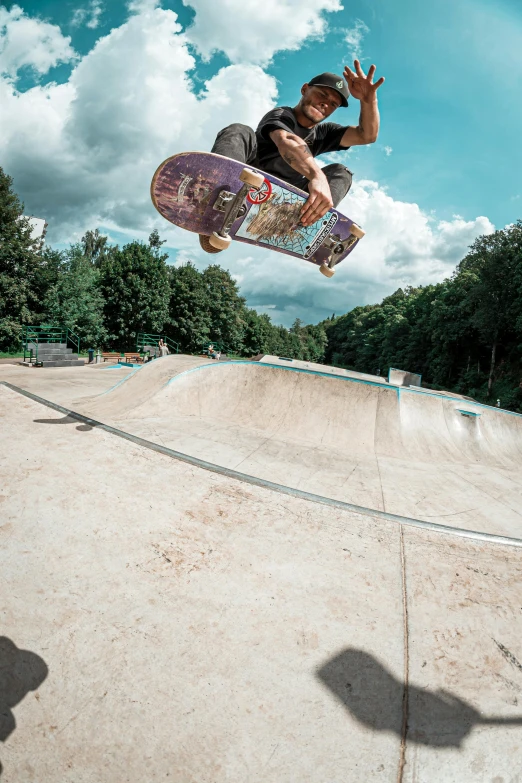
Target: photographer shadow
<point>21,671</point>
<point>374,697</point>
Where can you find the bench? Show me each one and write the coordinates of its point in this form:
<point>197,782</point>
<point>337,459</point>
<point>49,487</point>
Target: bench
<point>133,357</point>
<point>109,356</point>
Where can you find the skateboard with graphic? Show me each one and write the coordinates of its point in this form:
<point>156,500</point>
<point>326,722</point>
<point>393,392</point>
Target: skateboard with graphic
<point>226,200</point>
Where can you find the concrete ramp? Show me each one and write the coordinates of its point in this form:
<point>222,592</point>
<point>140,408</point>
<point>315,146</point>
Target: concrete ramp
<point>161,622</point>
<point>139,386</point>
<point>431,457</point>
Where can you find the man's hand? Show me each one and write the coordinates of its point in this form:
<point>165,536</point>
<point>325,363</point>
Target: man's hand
<point>360,85</point>
<point>319,202</point>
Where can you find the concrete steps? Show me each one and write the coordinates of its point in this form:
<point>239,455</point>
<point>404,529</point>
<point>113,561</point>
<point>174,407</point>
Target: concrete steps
<point>62,363</point>
<point>56,355</point>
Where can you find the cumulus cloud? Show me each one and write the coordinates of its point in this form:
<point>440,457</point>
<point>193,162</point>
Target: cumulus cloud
<point>253,31</point>
<point>142,6</point>
<point>354,38</point>
<point>88,15</point>
<point>30,42</point>
<point>84,152</point>
<point>82,155</point>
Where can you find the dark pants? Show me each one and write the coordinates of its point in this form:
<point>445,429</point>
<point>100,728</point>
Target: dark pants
<point>239,143</point>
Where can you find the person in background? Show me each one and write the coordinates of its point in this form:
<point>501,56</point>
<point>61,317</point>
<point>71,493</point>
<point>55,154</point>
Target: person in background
<point>163,347</point>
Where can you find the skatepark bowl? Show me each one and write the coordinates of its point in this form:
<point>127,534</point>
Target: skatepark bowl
<point>274,571</point>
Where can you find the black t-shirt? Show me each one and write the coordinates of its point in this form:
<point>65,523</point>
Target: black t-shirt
<point>324,137</point>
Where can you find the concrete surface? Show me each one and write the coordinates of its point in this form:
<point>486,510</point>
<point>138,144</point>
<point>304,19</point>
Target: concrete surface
<point>165,622</point>
<point>404,378</point>
<point>385,448</point>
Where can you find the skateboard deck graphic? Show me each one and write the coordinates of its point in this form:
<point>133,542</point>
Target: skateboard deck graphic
<point>187,189</point>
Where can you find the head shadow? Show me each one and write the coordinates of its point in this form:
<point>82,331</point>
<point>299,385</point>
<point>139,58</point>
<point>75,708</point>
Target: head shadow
<point>374,697</point>
<point>66,420</point>
<point>21,671</point>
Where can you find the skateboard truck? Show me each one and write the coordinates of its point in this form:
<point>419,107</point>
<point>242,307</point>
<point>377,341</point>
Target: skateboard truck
<point>336,247</point>
<point>231,205</point>
<point>223,200</point>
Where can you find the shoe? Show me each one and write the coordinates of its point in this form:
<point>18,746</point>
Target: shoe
<point>204,241</point>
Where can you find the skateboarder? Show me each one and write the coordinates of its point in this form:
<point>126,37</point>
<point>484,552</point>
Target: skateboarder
<point>288,139</point>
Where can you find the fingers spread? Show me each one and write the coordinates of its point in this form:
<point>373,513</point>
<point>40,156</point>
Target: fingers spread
<point>379,82</point>
<point>358,68</point>
<point>371,72</point>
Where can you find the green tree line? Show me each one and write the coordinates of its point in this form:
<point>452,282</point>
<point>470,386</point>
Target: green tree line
<point>107,295</point>
<point>463,335</point>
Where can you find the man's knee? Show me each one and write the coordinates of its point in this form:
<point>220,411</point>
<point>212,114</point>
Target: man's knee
<point>237,129</point>
<point>236,141</point>
<point>338,172</point>
<point>340,181</point>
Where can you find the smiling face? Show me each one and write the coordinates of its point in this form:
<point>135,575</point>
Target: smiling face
<point>317,103</point>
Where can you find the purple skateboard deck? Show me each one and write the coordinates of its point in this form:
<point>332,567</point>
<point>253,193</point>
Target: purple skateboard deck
<point>186,187</point>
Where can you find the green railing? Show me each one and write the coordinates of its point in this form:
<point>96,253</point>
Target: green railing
<point>35,335</point>
<point>144,338</point>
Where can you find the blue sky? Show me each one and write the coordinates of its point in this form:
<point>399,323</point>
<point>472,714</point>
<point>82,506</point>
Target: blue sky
<point>102,92</point>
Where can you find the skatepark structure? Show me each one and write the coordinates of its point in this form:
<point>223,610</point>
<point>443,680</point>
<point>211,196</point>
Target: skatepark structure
<point>257,570</point>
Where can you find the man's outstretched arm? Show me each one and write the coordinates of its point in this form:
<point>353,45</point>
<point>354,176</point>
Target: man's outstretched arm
<point>362,87</point>
<point>296,153</point>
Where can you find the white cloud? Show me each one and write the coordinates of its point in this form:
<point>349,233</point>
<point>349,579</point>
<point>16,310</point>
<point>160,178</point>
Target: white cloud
<point>142,6</point>
<point>88,15</point>
<point>84,152</point>
<point>30,42</point>
<point>388,150</point>
<point>354,38</point>
<point>253,31</point>
<point>82,155</point>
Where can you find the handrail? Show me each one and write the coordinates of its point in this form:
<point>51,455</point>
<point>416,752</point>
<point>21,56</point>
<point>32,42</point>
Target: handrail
<point>144,338</point>
<point>47,334</point>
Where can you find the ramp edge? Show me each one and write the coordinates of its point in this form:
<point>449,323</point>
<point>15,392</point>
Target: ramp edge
<point>254,480</point>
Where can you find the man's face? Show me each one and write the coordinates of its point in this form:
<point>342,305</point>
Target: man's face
<point>318,103</point>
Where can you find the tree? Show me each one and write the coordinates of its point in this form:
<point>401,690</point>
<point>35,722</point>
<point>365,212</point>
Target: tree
<point>50,265</point>
<point>226,309</point>
<point>189,318</point>
<point>94,246</point>
<point>491,267</point>
<point>17,263</point>
<point>76,301</point>
<point>155,241</point>
<point>135,286</point>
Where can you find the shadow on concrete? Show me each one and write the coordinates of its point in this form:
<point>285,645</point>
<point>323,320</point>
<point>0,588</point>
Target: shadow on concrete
<point>374,697</point>
<point>65,420</point>
<point>21,671</point>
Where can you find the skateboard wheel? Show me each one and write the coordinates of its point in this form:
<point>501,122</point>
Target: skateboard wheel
<point>252,178</point>
<point>219,242</point>
<point>326,271</point>
<point>357,231</point>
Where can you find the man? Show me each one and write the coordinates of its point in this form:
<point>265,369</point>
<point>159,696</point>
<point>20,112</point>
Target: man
<point>288,139</point>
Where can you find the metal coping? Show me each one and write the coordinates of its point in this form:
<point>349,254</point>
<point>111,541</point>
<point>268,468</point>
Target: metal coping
<point>270,485</point>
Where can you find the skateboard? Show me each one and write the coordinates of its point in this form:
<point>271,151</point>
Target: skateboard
<point>227,200</point>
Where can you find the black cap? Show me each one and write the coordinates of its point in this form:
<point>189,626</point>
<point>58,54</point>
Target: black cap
<point>335,82</point>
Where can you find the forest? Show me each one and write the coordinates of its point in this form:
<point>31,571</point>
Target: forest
<point>463,334</point>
